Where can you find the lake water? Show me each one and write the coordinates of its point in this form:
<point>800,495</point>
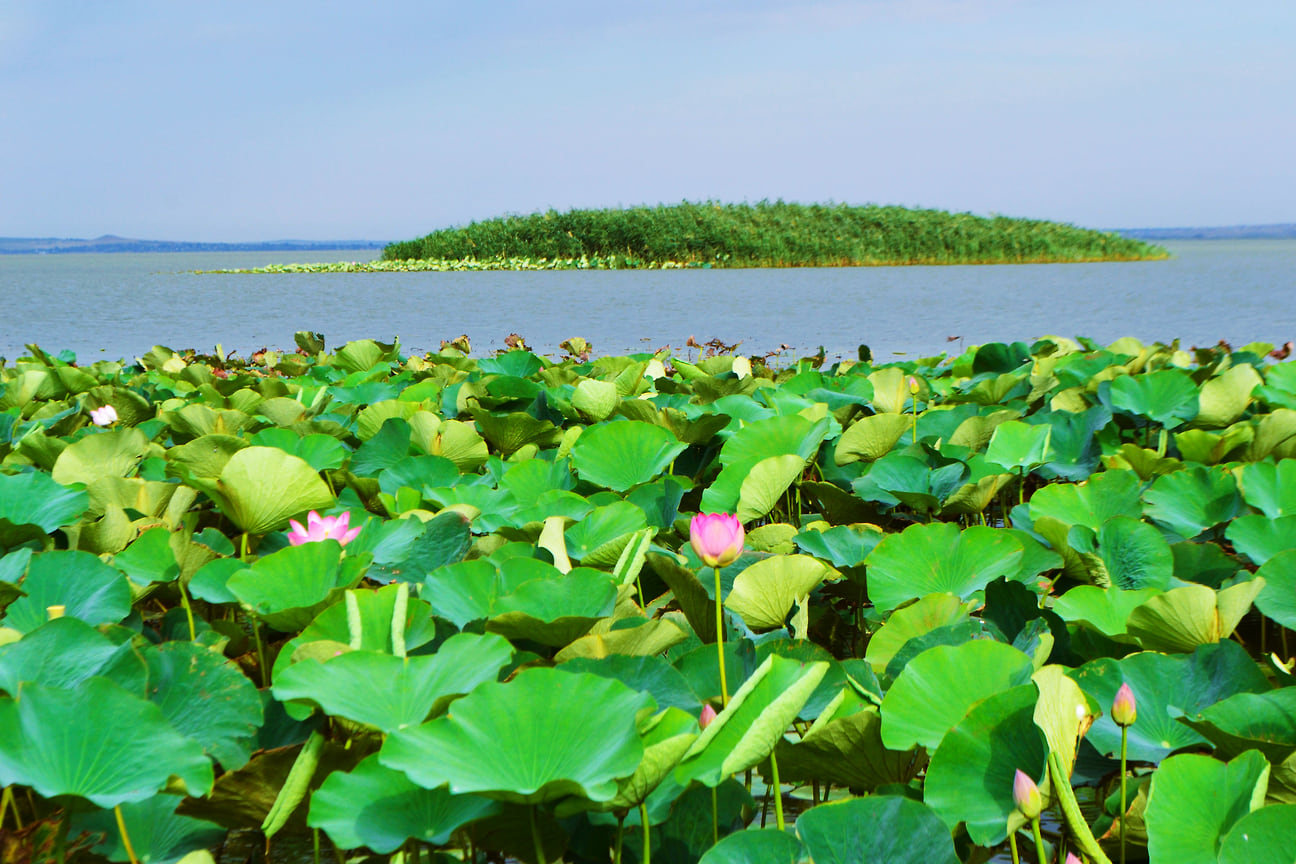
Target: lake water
<point>119,305</point>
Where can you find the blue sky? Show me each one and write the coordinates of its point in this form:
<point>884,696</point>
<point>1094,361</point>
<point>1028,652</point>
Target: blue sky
<point>319,120</point>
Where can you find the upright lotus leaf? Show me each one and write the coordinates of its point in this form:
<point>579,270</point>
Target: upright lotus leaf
<point>114,453</point>
<point>1260,537</point>
<point>599,539</point>
<point>1225,397</point>
<point>747,730</point>
<point>647,674</point>
<point>1183,618</point>
<point>361,355</point>
<point>289,587</point>
<point>755,846</point>
<point>205,698</point>
<point>418,472</point>
<point>33,505</point>
<point>764,593</point>
<point>554,611</point>
<point>380,808</point>
<point>149,559</point>
<point>1277,600</point>
<point>508,433</point>
<point>1193,500</point>
<point>127,754</point>
<point>871,437</point>
<point>1204,563</point>
<point>65,652</point>
<point>938,557</point>
<point>970,778</point>
<point>766,483</point>
<point>522,742</point>
<point>841,545</point>
<point>389,692</point>
<point>374,417</point>
<point>693,597</point>
<point>1063,712</point>
<point>1166,688</point>
<point>1018,445</point>
<point>1092,503</point>
<point>203,458</point>
<point>1167,397</point>
<point>261,487</point>
<point>759,440</point>
<point>1262,836</point>
<point>844,747</point>
<point>595,400</point>
<point>444,539</point>
<point>900,831</point>
<point>83,585</point>
<point>1196,800</point>
<point>909,622</point>
<point>157,833</point>
<point>1270,487</point>
<point>1251,721</point>
<point>1104,609</point>
<point>938,688</point>
<point>1125,551</point>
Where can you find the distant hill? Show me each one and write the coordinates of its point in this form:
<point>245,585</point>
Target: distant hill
<point>1227,232</point>
<point>112,243</point>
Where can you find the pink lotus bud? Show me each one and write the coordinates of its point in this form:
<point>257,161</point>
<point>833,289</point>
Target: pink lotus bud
<point>105,416</point>
<point>708,714</point>
<point>1124,707</point>
<point>913,384</point>
<point>1072,859</point>
<point>1026,795</point>
<point>322,528</point>
<point>717,538</point>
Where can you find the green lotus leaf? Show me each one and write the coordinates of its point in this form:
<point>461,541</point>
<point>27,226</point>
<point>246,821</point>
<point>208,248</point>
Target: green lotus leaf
<point>149,559</point>
<point>1167,397</point>
<point>747,730</point>
<point>1063,712</point>
<point>1125,551</point>
<point>211,582</point>
<point>621,455</point>
<point>756,846</point>
<point>1196,800</point>
<point>754,442</point>
<point>1104,609</point>
<point>599,538</point>
<point>1193,500</point>
<point>261,487</point>
<point>127,754</point>
<point>32,505</point>
<point>841,545</point>
<point>844,747</point>
<point>443,540</point>
<point>908,480</point>
<point>453,439</point>
<point>531,478</point>
<point>467,591</point>
<point>385,447</point>
<point>970,778</point>
<point>647,674</point>
<point>390,692</point>
<point>1251,721</point>
<point>1165,687</point>
<point>496,508</point>
<point>1073,452</point>
<point>929,613</point>
<point>595,400</point>
<point>380,808</point>
<point>938,557</point>
<point>1277,600</point>
<point>361,355</point>
<point>764,593</point>
<point>1225,397</point>
<point>554,611</point>
<point>418,472</point>
<point>1019,445</point>
<point>1270,487</point>
<point>65,652</point>
<point>939,686</point>
<point>510,432</point>
<point>765,484</point>
<point>1204,563</point>
<point>1260,538</point>
<point>518,363</point>
<point>522,742</point>
<point>83,585</point>
<point>1111,493</point>
<point>871,437</point>
<point>900,831</point>
<point>375,416</point>
<point>203,457</point>
<point>114,453</point>
<point>288,588</point>
<point>158,835</point>
<point>1183,618</point>
<point>1262,836</point>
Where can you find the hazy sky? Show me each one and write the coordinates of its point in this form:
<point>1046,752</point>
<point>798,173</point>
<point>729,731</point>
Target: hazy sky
<point>263,120</point>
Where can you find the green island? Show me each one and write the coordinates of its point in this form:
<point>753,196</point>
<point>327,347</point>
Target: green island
<point>766,234</point>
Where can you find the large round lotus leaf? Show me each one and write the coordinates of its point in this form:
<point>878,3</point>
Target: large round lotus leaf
<point>419,473</point>
<point>667,738</point>
<point>1190,501</point>
<point>1196,800</point>
<point>844,747</point>
<point>157,833</point>
<point>1263,836</point>
<point>410,553</point>
<point>651,675</point>
<point>747,730</point>
<point>1277,600</point>
<point>206,698</point>
<point>1183,618</point>
<point>765,484</point>
<point>871,437</point>
<point>149,559</point>
<point>96,741</point>
<point>1165,688</point>
<point>511,432</point>
<point>1224,397</point>
<point>1019,445</point>
<point>1251,721</point>
<point>970,778</point>
<point>386,447</point>
<point>83,585</point>
<point>1104,609</point>
<point>261,487</point>
<point>115,453</point>
<point>380,808</point>
<point>361,355</point>
<point>1270,487</point>
<point>939,558</point>
<point>764,593</point>
<point>466,591</point>
<point>35,499</point>
<point>286,587</point>
<point>841,545</point>
<point>1110,493</point>
<point>599,538</point>
<point>883,829</point>
<point>372,418</point>
<point>1167,397</point>
<point>390,692</point>
<point>1125,551</point>
<point>621,455</point>
<point>755,846</point>
<point>203,457</point>
<point>544,735</point>
<point>939,686</point>
<point>761,439</point>
<point>632,642</point>
<point>596,400</point>
<point>927,614</point>
<point>211,582</point>
<point>64,652</point>
<point>1260,538</point>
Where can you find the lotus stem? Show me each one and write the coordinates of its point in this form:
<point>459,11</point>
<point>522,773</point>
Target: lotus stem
<point>315,843</point>
<point>778,792</point>
<point>184,601</point>
<point>1071,812</point>
<point>535,836</point>
<point>1040,854</point>
<point>1123,805</point>
<point>7,801</point>
<point>724,687</point>
<point>1012,847</point>
<point>260,649</point>
<point>647,849</point>
<point>715,818</point>
<point>121,828</point>
<point>620,832</point>
<point>60,838</point>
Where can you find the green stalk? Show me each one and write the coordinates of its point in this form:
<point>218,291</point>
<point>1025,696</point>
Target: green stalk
<point>1012,846</point>
<point>724,687</point>
<point>715,818</point>
<point>1040,855</point>
<point>616,847</point>
<point>1124,742</point>
<point>121,828</point>
<point>184,601</point>
<point>6,801</point>
<point>647,850</point>
<point>398,619</point>
<point>260,649</point>
<point>1071,812</point>
<point>315,839</point>
<point>778,792</point>
<point>60,839</point>
<point>535,836</point>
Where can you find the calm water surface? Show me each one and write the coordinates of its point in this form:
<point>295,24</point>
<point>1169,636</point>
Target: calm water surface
<point>119,305</point>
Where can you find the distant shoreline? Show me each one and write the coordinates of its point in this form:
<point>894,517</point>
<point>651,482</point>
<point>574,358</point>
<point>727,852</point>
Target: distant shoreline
<point>1285,230</point>
<point>74,246</point>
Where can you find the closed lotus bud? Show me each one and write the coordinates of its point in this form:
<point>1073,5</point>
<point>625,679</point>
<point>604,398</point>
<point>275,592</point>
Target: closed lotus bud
<point>717,538</point>
<point>1026,795</point>
<point>708,714</point>
<point>913,384</point>
<point>1072,859</point>
<point>1124,707</point>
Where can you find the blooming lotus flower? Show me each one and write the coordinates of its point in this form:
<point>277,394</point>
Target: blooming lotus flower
<point>717,538</point>
<point>708,714</point>
<point>322,528</point>
<point>1124,707</point>
<point>105,416</point>
<point>1026,795</point>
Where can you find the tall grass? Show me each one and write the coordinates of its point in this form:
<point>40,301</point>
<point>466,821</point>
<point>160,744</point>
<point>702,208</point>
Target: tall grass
<point>774,234</point>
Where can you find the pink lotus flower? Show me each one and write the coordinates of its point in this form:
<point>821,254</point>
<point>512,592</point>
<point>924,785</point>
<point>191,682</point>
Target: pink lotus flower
<point>717,538</point>
<point>322,528</point>
<point>1124,707</point>
<point>1072,859</point>
<point>1026,795</point>
<point>708,714</point>
<point>105,416</point>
